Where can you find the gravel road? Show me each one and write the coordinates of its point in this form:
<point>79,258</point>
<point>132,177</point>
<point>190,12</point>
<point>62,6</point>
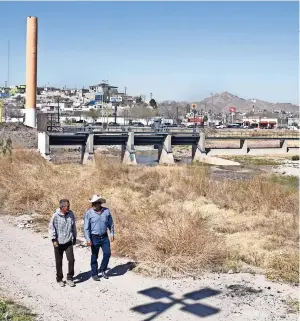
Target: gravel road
<point>27,274</point>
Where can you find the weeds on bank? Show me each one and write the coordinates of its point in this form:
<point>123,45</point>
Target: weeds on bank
<point>254,160</point>
<point>289,182</point>
<point>14,312</point>
<point>5,146</point>
<point>172,220</point>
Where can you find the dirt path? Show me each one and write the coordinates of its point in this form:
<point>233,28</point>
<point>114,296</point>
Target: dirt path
<point>27,273</point>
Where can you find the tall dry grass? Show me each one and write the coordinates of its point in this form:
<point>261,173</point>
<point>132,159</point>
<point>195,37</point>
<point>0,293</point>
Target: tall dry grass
<point>172,220</point>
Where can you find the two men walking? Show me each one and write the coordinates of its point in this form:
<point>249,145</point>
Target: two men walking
<point>63,233</point>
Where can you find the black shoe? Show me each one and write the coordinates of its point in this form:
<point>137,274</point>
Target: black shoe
<point>95,278</point>
<point>104,275</point>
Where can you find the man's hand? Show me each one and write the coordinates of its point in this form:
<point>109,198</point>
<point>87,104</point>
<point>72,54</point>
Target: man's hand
<point>112,238</point>
<point>89,243</point>
<point>55,244</point>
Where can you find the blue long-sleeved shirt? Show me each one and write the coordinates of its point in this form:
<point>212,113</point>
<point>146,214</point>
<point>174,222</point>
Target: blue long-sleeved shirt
<point>97,223</point>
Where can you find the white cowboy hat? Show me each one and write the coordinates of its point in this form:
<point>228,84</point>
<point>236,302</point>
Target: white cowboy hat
<point>96,198</point>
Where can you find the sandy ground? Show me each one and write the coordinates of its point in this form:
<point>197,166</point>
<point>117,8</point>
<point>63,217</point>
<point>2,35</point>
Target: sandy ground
<point>27,274</point>
<point>288,168</point>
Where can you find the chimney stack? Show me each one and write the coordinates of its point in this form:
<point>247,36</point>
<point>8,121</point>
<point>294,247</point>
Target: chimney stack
<point>31,71</point>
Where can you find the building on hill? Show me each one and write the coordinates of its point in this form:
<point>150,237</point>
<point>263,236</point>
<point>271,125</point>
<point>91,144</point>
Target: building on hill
<point>105,89</point>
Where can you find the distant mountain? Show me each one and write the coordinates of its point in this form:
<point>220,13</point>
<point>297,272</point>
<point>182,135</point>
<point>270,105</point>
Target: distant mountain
<point>222,102</point>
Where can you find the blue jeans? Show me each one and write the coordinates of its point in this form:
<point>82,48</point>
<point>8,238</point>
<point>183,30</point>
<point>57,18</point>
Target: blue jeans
<point>104,243</point>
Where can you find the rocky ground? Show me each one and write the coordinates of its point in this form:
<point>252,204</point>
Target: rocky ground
<point>27,274</point>
<point>21,136</point>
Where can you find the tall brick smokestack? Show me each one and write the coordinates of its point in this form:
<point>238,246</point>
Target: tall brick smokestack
<point>31,71</point>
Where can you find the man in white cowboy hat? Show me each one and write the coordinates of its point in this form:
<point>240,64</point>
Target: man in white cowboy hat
<point>96,222</point>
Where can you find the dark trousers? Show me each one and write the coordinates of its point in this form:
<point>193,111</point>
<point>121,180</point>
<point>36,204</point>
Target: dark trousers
<point>59,252</point>
<point>104,243</point>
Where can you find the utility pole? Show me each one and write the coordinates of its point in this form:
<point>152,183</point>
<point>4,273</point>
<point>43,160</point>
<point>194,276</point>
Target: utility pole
<point>8,62</point>
<point>58,98</point>
<point>212,107</point>
<point>102,117</point>
<point>150,96</point>
<point>116,108</point>
<point>125,91</point>
<point>1,108</point>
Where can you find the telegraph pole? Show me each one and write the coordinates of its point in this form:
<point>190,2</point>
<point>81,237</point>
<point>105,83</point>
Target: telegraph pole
<point>212,107</point>
<point>8,62</point>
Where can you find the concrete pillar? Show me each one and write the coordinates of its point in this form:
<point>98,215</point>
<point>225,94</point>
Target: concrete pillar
<point>82,156</point>
<point>159,151</point>
<point>31,71</point>
<point>128,151</point>
<point>44,144</point>
<point>199,150</point>
<point>284,146</point>
<point>90,144</point>
<point>244,146</point>
<point>165,153</point>
<point>201,144</point>
<point>88,151</point>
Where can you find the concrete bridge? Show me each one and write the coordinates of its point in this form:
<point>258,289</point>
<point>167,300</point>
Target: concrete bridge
<point>163,142</point>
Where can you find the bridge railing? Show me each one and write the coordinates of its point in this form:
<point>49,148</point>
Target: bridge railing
<point>252,133</point>
<point>226,133</point>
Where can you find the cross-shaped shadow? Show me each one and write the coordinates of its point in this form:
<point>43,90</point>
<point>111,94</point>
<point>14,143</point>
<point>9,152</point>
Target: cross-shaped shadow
<point>158,307</point>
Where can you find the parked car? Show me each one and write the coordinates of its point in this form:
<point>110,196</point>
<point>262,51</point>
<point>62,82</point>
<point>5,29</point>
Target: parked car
<point>233,126</point>
<point>138,124</point>
<point>170,125</point>
<point>113,124</point>
<point>193,126</point>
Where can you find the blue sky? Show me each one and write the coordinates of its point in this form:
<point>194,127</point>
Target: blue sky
<point>176,50</point>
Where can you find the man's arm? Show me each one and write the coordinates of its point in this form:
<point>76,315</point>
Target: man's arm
<point>74,229</point>
<point>52,230</point>
<point>111,225</point>
<point>87,227</point>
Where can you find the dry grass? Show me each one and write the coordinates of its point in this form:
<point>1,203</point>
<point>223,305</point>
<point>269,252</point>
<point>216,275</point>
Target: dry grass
<point>172,220</point>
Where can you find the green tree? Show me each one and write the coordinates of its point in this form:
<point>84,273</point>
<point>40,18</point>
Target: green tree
<point>92,113</point>
<point>153,103</point>
<point>142,112</point>
<point>138,100</point>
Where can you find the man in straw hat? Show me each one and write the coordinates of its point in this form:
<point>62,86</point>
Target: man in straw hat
<point>96,222</point>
